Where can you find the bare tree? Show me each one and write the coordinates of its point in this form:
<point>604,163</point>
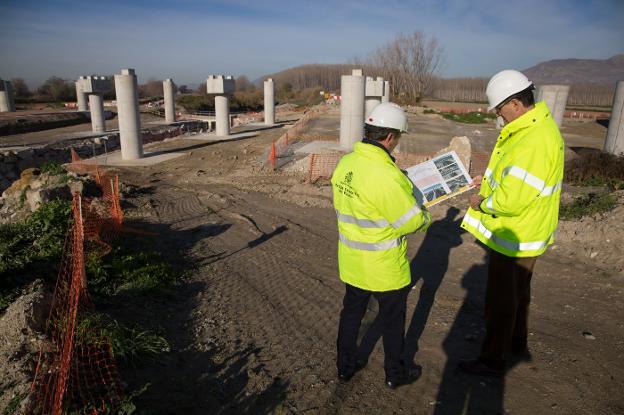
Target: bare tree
<point>410,63</point>
<point>153,88</point>
<point>20,88</point>
<point>244,84</point>
<point>57,89</point>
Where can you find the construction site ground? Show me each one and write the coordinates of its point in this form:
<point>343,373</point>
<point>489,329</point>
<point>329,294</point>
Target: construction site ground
<point>253,319</point>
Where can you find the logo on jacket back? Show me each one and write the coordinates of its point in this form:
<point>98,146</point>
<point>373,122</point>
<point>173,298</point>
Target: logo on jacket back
<point>348,177</point>
<point>344,186</point>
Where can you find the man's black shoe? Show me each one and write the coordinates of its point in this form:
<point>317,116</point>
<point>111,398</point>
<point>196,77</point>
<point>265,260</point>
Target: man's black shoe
<point>478,367</point>
<point>409,376</point>
<point>345,375</point>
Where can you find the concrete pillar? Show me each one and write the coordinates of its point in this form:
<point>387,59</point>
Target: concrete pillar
<point>373,92</point>
<point>169,93</point>
<point>96,104</point>
<point>222,114</point>
<point>269,102</point>
<point>351,108</point>
<point>7,102</point>
<point>386,95</point>
<point>614,143</point>
<point>128,112</point>
<point>556,97</point>
<point>81,97</point>
<point>221,87</point>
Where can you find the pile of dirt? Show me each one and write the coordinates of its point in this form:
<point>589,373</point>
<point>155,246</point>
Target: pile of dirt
<point>21,336</point>
<point>595,239</point>
<point>39,122</point>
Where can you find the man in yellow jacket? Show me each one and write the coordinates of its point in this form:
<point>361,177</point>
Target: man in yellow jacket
<point>515,214</point>
<point>376,208</point>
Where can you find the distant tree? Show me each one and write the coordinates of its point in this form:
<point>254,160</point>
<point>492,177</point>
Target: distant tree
<point>201,89</point>
<point>57,89</point>
<point>20,88</point>
<point>243,84</point>
<point>152,88</point>
<point>183,89</point>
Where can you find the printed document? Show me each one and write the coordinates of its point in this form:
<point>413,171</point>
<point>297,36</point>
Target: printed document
<point>440,178</point>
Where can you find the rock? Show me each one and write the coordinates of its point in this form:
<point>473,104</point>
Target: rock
<point>461,146</point>
<point>36,198</point>
<point>22,322</point>
<point>588,335</point>
<point>75,187</point>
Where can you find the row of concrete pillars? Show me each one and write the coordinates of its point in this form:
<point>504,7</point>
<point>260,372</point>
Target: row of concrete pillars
<point>126,91</point>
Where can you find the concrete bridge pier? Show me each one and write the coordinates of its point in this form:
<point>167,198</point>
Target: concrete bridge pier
<point>128,112</point>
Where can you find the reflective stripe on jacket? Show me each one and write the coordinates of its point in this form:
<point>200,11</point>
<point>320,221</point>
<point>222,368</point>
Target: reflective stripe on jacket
<point>521,187</point>
<point>375,208</point>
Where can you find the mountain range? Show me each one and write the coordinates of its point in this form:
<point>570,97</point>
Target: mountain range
<point>578,71</point>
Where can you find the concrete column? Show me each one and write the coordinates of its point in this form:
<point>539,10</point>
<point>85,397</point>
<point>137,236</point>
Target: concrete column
<point>221,87</point>
<point>373,92</point>
<point>386,95</point>
<point>7,102</point>
<point>614,143</point>
<point>128,112</point>
<point>96,104</point>
<point>351,108</point>
<point>81,97</point>
<point>269,102</point>
<point>556,97</point>
<point>222,114</point>
<point>169,93</point>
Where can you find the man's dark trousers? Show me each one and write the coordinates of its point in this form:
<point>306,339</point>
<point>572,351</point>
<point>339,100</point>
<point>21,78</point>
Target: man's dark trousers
<point>392,305</point>
<point>507,299</point>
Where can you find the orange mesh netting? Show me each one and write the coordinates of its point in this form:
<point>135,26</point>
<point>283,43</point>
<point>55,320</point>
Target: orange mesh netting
<point>278,147</point>
<point>76,371</point>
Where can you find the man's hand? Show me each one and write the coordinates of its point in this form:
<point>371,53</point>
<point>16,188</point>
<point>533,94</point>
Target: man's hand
<point>476,182</point>
<point>475,202</point>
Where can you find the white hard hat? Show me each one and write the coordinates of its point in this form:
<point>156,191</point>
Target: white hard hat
<point>388,115</point>
<point>505,84</point>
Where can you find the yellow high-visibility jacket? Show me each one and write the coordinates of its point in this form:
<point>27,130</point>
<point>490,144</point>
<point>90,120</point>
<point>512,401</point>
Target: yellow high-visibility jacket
<point>376,208</point>
<point>521,187</point>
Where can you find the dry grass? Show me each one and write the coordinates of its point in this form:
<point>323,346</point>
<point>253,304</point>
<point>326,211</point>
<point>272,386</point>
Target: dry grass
<point>596,169</point>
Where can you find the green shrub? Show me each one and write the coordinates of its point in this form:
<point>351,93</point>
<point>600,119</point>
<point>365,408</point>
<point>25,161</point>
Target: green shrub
<point>52,167</point>
<point>122,270</point>
<point>588,205</point>
<point>596,169</point>
<point>32,246</point>
<point>429,111</point>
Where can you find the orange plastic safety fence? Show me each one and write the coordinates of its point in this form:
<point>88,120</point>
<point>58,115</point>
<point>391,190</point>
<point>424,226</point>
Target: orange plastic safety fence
<point>278,147</point>
<point>322,165</point>
<point>76,371</point>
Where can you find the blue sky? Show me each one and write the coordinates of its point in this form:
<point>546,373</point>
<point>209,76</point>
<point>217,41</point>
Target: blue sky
<point>190,39</point>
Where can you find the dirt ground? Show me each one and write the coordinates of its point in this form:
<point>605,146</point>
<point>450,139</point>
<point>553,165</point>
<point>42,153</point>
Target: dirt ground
<point>253,319</point>
<point>253,322</point>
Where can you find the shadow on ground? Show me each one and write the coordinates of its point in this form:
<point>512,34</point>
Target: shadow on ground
<point>195,377</point>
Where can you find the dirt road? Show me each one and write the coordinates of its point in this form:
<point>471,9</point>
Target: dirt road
<point>253,320</point>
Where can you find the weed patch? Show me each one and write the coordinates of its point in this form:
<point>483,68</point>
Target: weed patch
<point>127,270</point>
<point>32,248</point>
<point>588,205</point>
<point>596,169</point>
<point>130,343</point>
<point>473,117</point>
